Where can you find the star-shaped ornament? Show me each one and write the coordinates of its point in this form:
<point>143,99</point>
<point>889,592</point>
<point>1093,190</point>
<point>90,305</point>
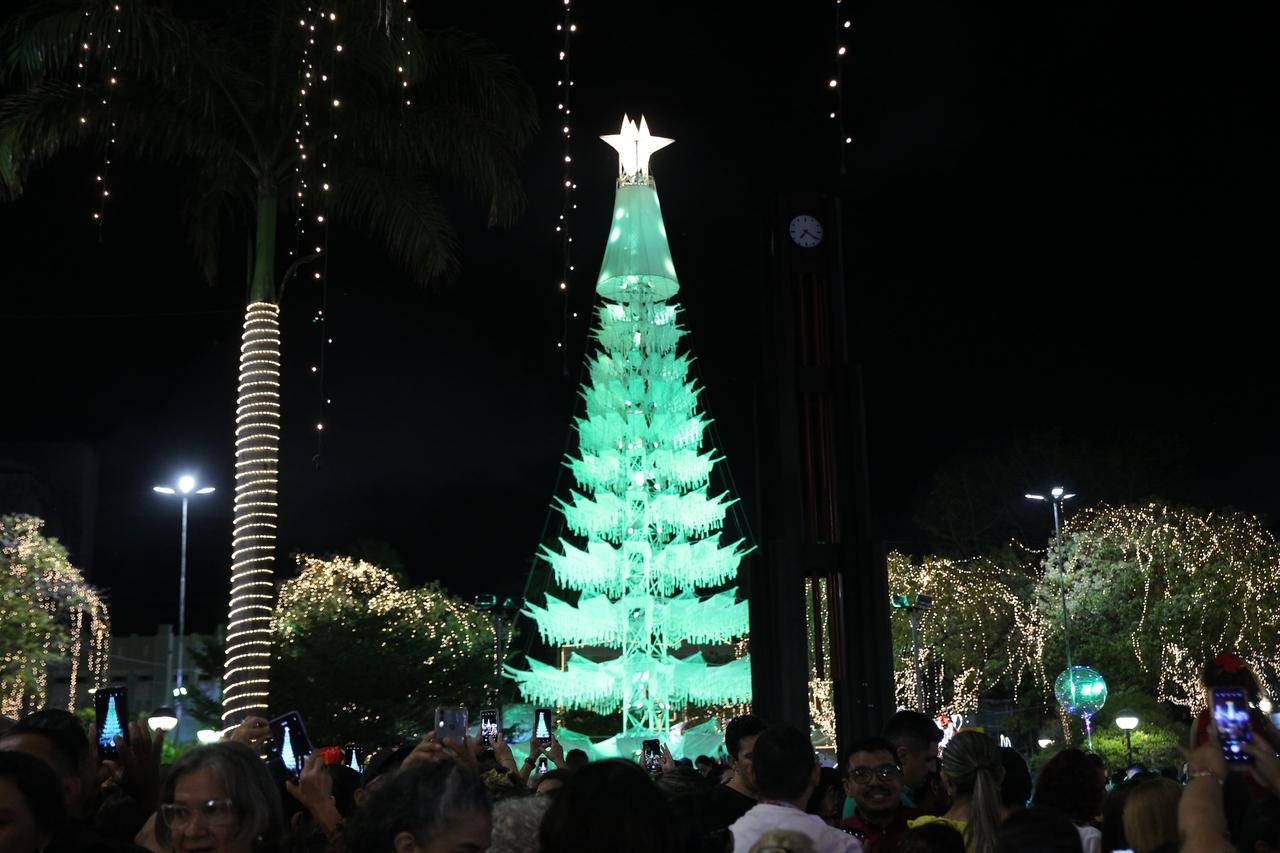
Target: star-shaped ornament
<point>634,146</point>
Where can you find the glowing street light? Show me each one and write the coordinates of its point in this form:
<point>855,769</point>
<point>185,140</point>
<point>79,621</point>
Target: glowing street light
<point>163,719</point>
<point>1045,742</point>
<point>1128,721</point>
<point>186,486</point>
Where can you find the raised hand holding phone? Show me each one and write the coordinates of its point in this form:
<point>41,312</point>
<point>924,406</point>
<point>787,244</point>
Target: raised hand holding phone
<point>1231,719</point>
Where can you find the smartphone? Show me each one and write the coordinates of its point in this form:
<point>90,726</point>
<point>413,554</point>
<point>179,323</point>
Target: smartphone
<point>289,743</point>
<point>651,756</point>
<point>111,718</point>
<point>541,766</point>
<point>451,723</point>
<point>353,756</point>
<point>489,726</point>
<point>544,724</point>
<point>1231,719</point>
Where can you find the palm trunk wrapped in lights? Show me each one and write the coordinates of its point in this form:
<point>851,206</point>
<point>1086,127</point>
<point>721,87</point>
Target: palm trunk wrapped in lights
<point>651,529</point>
<point>248,659</point>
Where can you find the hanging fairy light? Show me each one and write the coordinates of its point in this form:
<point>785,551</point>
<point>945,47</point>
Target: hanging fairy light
<point>564,226</point>
<point>248,655</point>
<point>843,25</point>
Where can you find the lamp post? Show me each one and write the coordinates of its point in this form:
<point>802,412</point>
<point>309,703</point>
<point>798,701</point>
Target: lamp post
<point>186,486</point>
<point>163,719</point>
<point>1057,497</point>
<point>1128,721</point>
<point>923,601</point>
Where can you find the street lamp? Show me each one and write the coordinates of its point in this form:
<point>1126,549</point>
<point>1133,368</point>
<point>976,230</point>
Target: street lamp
<point>923,601</point>
<point>186,486</point>
<point>1128,721</point>
<point>1057,497</point>
<point>163,719</point>
<point>1045,742</point>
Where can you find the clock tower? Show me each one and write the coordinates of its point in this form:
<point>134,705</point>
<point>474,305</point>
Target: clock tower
<point>820,601</point>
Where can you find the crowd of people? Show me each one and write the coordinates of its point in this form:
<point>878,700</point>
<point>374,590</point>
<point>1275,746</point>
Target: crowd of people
<point>895,792</point>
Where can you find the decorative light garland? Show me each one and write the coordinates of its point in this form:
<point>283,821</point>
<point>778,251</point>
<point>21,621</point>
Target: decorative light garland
<point>564,94</point>
<point>836,84</point>
<point>42,576</point>
<point>245,682</point>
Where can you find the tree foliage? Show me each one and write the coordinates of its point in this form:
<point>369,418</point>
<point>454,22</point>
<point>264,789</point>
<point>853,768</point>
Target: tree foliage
<point>48,615</point>
<point>364,658</point>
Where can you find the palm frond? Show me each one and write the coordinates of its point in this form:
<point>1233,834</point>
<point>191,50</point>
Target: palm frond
<point>403,213</point>
<point>215,194</point>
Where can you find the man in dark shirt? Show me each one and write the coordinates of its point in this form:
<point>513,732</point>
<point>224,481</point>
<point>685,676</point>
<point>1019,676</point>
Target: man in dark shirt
<point>735,798</point>
<point>873,779</point>
<point>915,740</point>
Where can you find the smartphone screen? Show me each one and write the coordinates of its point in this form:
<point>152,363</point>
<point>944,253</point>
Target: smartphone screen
<point>353,756</point>
<point>451,723</point>
<point>289,743</point>
<point>651,755</point>
<point>111,718</point>
<point>1231,719</point>
<point>489,726</point>
<point>544,723</point>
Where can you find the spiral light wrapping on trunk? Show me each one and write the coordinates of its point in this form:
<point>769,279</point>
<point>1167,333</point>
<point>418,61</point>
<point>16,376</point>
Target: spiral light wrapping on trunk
<point>248,657</point>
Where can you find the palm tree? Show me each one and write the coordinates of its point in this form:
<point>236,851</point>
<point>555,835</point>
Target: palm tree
<point>312,111</point>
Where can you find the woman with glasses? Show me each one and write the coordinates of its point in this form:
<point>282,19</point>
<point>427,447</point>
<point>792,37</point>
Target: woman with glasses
<point>220,799</point>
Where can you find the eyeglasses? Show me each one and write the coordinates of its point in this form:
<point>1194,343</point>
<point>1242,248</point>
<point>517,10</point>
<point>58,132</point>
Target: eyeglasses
<point>214,812</point>
<point>863,775</point>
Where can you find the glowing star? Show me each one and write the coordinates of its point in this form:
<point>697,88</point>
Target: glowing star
<point>635,146</point>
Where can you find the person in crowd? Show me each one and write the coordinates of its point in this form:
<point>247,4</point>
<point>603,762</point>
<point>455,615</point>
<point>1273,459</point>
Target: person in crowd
<point>735,798</point>
<point>57,738</point>
<point>515,824</point>
<point>608,805</point>
<point>703,764</point>
<point>873,782</point>
<point>220,798</point>
<point>32,804</point>
<point>1037,830</point>
<point>1205,822</point>
<point>972,771</point>
<point>1113,818</point>
<point>935,837</point>
<point>552,781</point>
<point>1070,782</point>
<point>1016,788</point>
<point>1151,816</point>
<point>553,751</point>
<point>827,798</point>
<point>785,773</point>
<point>436,804</point>
<point>915,737</point>
<point>575,759</point>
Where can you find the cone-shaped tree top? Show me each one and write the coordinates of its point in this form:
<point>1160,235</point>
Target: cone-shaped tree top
<point>637,258</point>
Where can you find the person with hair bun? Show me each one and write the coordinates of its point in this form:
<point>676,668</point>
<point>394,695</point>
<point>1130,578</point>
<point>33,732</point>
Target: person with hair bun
<point>1071,784</point>
<point>972,771</point>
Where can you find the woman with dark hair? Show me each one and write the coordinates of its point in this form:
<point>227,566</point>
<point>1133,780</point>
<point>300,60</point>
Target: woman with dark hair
<point>220,799</point>
<point>1038,830</point>
<point>426,807</point>
<point>608,805</point>
<point>972,771</point>
<point>1071,783</point>
<point>31,806</point>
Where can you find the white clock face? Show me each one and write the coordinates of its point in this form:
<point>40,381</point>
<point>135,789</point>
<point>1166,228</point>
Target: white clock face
<point>805,231</point>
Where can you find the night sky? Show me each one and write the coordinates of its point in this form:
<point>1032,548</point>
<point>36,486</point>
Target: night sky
<point>1058,222</point>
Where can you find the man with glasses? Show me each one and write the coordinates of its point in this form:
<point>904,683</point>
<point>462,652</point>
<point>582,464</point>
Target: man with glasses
<point>873,780</point>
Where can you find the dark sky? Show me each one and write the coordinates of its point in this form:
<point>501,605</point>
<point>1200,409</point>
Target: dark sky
<point>1056,227</point>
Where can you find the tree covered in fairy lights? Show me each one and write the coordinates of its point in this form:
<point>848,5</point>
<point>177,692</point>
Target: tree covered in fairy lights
<point>1153,591</point>
<point>49,617</point>
<point>642,575</point>
<point>364,657</point>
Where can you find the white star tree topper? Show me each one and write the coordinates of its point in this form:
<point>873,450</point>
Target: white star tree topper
<point>634,146</point>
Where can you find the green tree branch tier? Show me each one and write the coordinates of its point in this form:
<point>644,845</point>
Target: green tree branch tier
<point>648,568</point>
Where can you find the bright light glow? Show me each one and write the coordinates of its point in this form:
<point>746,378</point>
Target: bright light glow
<point>208,736</point>
<point>1034,497</point>
<point>205,491</point>
<point>186,483</point>
<point>634,146</point>
<point>1127,720</point>
<point>163,720</point>
<point>164,490</point>
<point>1045,742</point>
<point>1057,491</point>
<point>1264,705</point>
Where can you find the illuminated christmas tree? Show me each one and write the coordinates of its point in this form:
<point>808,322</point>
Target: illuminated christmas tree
<point>651,529</point>
<point>111,728</point>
